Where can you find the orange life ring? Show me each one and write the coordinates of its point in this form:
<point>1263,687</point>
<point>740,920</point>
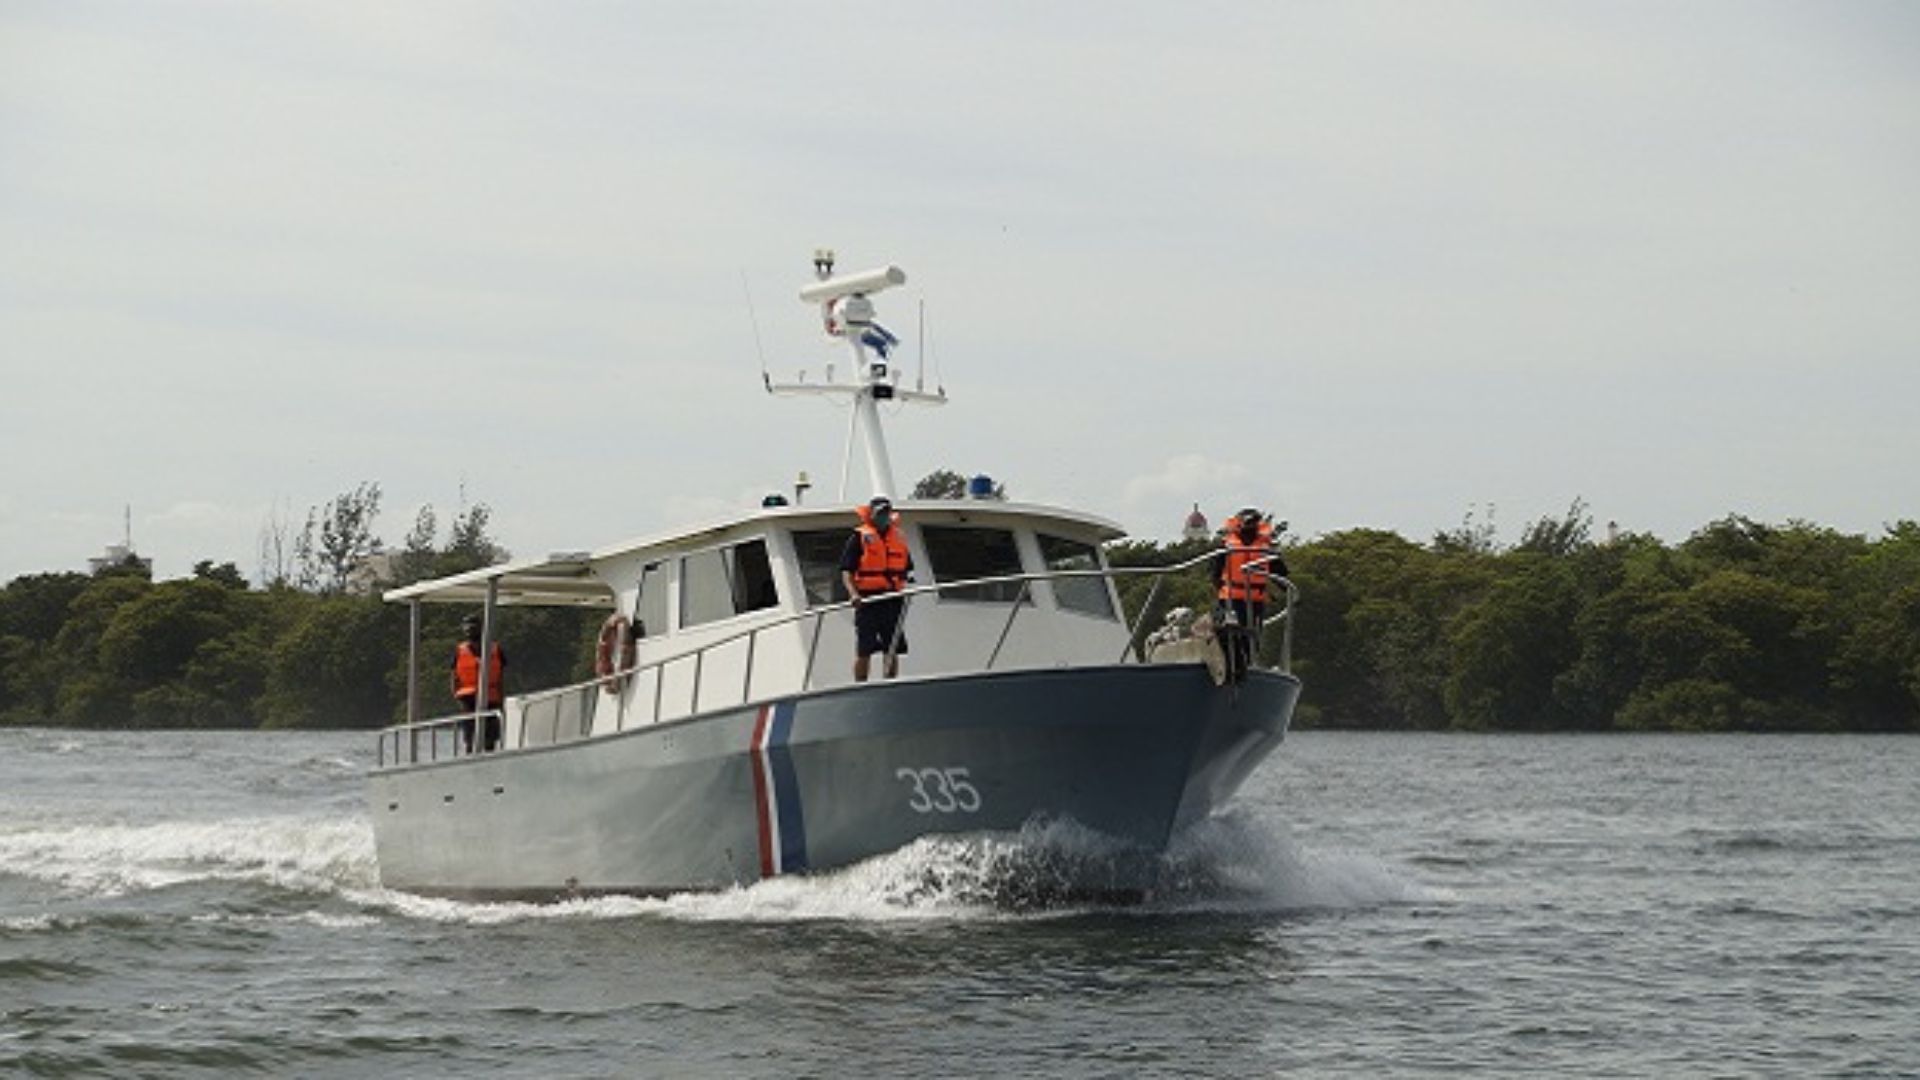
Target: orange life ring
<point>615,641</point>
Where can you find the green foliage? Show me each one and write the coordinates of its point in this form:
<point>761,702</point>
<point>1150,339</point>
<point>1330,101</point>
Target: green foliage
<point>1559,536</point>
<point>35,606</point>
<point>115,650</point>
<point>947,484</point>
<point>551,646</point>
<point>1743,626</point>
<point>940,484</point>
<point>338,538</point>
<point>1507,649</point>
<point>326,670</point>
<point>1475,535</point>
<point>1684,705</point>
<point>152,638</point>
<point>225,681</point>
<point>545,647</point>
<point>1371,603</point>
<point>1732,541</point>
<point>33,609</point>
<point>469,547</point>
<point>414,562</point>
<point>1877,662</point>
<point>188,653</point>
<point>226,574</point>
<point>84,694</point>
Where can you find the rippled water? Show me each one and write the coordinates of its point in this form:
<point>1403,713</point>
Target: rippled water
<point>1373,905</point>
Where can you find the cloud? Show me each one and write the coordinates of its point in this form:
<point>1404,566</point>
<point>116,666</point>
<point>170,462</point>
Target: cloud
<point>1157,502</point>
<point>1187,476</point>
<point>194,514</point>
<point>680,510</point>
<point>1430,259</point>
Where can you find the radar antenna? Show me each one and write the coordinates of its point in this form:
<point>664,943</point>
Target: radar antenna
<point>847,312</point>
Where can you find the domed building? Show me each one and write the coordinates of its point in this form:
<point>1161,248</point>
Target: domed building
<point>1196,527</point>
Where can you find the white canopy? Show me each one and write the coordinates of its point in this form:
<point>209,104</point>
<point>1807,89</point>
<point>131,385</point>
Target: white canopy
<point>563,579</point>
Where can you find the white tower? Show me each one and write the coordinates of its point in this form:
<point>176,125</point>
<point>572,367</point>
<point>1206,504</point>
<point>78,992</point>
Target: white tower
<point>1196,526</point>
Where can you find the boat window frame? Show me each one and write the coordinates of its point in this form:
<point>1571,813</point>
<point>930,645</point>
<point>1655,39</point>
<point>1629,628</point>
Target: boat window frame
<point>998,593</point>
<point>1064,587</point>
<point>740,605</point>
<point>644,607</point>
<point>837,586</point>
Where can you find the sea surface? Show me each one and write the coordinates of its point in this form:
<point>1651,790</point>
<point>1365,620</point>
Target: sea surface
<point>1371,905</point>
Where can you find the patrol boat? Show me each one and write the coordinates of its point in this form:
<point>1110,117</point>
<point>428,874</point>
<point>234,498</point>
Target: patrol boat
<point>724,741</point>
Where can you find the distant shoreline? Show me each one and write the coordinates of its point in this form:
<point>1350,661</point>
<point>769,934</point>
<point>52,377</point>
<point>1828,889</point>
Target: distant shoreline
<point>1744,626</point>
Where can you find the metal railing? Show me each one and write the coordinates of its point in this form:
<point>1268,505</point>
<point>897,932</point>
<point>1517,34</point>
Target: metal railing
<point>401,743</point>
<point>566,713</point>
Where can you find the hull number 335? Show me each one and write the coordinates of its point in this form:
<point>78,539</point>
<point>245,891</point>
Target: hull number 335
<point>939,790</point>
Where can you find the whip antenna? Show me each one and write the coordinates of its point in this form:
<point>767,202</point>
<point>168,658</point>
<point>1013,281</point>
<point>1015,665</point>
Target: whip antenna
<point>754,319</point>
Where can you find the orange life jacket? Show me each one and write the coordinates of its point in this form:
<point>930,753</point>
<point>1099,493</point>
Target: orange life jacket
<point>883,558</point>
<point>1244,577</point>
<point>466,672</point>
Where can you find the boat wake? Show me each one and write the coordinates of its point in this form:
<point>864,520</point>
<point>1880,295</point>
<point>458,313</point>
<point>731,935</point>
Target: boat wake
<point>1230,864</point>
<point>323,871</point>
<point>298,854</point>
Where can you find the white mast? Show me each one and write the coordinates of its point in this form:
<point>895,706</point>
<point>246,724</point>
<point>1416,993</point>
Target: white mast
<point>848,314</point>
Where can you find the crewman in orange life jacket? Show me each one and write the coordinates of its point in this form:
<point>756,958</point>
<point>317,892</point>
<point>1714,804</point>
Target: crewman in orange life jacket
<point>1241,577</point>
<point>876,562</point>
<point>465,681</point>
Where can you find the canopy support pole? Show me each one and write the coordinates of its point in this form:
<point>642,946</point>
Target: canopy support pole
<point>413,661</point>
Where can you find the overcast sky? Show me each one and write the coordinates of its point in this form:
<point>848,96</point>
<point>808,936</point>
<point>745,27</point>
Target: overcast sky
<point>1364,264</point>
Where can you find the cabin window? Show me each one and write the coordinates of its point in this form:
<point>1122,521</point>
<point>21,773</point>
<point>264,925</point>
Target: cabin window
<point>650,611</point>
<point>722,582</point>
<point>818,551</point>
<point>1086,595</point>
<point>962,552</point>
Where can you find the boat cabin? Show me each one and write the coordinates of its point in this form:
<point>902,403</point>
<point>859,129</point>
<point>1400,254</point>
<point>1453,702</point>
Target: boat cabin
<point>753,608</point>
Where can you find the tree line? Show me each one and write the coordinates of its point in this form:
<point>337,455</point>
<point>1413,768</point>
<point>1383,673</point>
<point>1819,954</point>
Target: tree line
<point>1742,626</point>
<point>312,646</point>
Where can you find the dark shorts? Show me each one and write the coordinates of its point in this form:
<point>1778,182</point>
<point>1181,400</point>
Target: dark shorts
<point>873,625</point>
<point>491,740</point>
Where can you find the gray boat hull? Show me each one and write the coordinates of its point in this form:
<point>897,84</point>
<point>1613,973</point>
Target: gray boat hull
<point>827,779</point>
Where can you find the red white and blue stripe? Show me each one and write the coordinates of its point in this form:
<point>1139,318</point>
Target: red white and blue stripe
<point>776,793</point>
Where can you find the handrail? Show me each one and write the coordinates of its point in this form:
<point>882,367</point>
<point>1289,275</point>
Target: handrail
<point>820,614</point>
<point>528,702</point>
<point>433,727</point>
<point>1284,614</point>
<point>1013,612</point>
